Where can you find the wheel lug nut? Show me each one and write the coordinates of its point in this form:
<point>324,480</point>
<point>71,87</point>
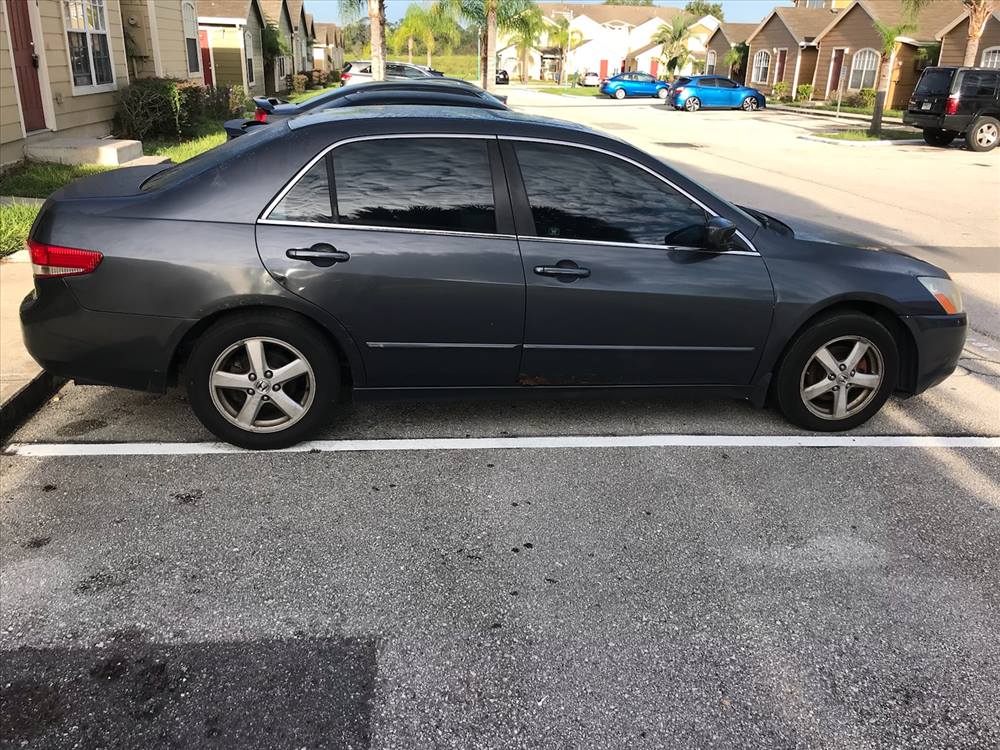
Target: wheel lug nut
<point>252,377</point>
<point>268,374</point>
<point>853,373</point>
<point>250,391</point>
<point>276,387</point>
<point>843,367</point>
<point>267,398</point>
<point>833,377</point>
<point>836,387</point>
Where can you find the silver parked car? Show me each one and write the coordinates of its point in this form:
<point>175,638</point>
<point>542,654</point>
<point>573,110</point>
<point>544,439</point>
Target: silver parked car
<point>360,71</point>
<point>590,79</point>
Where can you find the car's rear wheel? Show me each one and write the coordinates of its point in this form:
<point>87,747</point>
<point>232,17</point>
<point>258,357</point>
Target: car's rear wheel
<point>692,104</point>
<point>661,94</point>
<point>837,373</point>
<point>750,104</point>
<point>262,380</point>
<point>938,137</point>
<point>619,94</point>
<point>984,134</point>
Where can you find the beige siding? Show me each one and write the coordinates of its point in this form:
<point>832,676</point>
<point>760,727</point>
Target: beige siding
<point>170,36</point>
<point>227,55</point>
<point>904,76</point>
<point>856,32</point>
<point>955,41</point>
<point>10,114</point>
<point>255,27</point>
<point>774,36</point>
<point>720,47</point>
<point>807,67</point>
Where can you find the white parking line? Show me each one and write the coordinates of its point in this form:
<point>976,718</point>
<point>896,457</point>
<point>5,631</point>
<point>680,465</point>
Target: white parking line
<point>515,443</point>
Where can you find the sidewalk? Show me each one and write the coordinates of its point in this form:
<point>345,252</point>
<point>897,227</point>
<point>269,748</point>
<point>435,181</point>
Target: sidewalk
<point>23,384</point>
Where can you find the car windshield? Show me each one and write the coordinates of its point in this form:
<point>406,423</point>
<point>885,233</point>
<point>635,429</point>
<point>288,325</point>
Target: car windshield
<point>934,82</point>
<point>233,149</point>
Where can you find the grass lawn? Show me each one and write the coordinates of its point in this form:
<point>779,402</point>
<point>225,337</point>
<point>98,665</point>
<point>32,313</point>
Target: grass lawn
<point>208,135</point>
<point>453,66</point>
<point>15,223</point>
<point>572,90</point>
<point>296,98</point>
<point>37,180</point>
<point>888,134</point>
<point>827,107</point>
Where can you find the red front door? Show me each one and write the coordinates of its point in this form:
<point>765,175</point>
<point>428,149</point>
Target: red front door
<point>654,67</point>
<point>206,57</point>
<point>779,74</point>
<point>835,70</point>
<point>25,65</point>
<point>604,69</point>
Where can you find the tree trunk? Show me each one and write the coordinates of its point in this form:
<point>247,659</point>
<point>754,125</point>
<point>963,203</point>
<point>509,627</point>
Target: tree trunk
<point>375,29</point>
<point>978,16</point>
<point>409,48</point>
<point>884,76</point>
<point>482,57</point>
<point>491,46</point>
<point>428,56</point>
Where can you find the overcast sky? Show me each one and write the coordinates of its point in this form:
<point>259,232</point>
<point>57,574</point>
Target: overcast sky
<point>739,11</point>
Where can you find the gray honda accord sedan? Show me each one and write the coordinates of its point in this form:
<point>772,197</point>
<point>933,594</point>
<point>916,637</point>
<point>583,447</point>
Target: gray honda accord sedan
<point>414,251</point>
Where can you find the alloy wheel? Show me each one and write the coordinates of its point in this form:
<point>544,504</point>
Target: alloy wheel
<point>987,135</point>
<point>841,377</point>
<point>661,94</point>
<point>619,93</point>
<point>693,104</point>
<point>749,104</point>
<point>262,384</point>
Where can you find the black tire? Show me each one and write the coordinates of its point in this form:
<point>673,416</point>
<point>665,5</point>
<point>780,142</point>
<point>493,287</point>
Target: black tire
<point>692,104</point>
<point>661,94</point>
<point>285,328</point>
<point>750,104</point>
<point>938,137</point>
<point>619,94</point>
<point>792,372</point>
<point>984,134</point>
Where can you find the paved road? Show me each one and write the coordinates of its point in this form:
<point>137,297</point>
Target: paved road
<point>752,596</point>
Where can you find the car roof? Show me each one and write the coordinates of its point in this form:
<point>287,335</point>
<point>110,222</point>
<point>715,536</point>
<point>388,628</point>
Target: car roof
<point>444,96</point>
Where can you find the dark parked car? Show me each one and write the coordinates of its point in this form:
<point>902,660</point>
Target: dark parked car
<point>693,93</point>
<point>502,78</point>
<point>445,92</point>
<point>418,251</point>
<point>952,102</point>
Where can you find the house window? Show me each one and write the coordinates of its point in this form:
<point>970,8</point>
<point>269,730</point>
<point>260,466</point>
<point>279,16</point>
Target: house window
<point>248,50</point>
<point>864,66</point>
<point>191,38</point>
<point>991,58</point>
<point>761,67</point>
<point>710,62</point>
<point>89,47</point>
<point>814,4</point>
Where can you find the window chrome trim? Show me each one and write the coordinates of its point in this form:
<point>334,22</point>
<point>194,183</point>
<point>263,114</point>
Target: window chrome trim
<point>373,228</point>
<point>432,345</point>
<point>265,214</point>
<point>643,167</point>
<point>611,243</point>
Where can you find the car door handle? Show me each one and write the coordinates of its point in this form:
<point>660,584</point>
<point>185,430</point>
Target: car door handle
<point>566,271</point>
<point>318,253</point>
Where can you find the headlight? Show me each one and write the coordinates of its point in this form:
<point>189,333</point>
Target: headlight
<point>945,291</point>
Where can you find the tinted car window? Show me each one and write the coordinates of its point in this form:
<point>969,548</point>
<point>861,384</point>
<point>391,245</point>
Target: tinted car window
<point>934,83</point>
<point>707,83</point>
<point>644,77</point>
<point>725,83</point>
<point>308,200</point>
<point>587,195</point>
<point>979,83</point>
<point>415,183</point>
<point>682,82</point>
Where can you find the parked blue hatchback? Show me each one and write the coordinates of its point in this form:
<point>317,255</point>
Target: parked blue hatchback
<point>713,92</point>
<point>634,84</point>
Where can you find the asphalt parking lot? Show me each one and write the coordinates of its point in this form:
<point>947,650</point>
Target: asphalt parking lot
<point>657,573</point>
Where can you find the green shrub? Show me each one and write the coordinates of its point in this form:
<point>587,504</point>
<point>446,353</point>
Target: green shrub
<point>298,83</point>
<point>333,77</point>
<point>167,108</point>
<point>804,91</point>
<point>223,102</point>
<point>780,90</point>
<point>868,97</point>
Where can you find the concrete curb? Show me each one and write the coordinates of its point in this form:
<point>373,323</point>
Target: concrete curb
<point>17,200</point>
<point>862,144</point>
<point>29,399</point>
<point>826,114</point>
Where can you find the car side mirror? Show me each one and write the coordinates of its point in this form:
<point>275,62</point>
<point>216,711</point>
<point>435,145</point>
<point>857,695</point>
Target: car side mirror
<point>719,233</point>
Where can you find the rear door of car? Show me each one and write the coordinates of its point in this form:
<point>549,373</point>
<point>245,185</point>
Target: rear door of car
<point>977,91</point>
<point>619,290</point>
<point>709,92</point>
<point>412,250</point>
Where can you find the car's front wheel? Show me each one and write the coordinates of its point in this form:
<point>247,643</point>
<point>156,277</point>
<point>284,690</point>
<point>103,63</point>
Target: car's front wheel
<point>692,104</point>
<point>661,94</point>
<point>984,134</point>
<point>837,373</point>
<point>262,381</point>
<point>750,104</point>
<point>619,94</point>
<point>938,137</point>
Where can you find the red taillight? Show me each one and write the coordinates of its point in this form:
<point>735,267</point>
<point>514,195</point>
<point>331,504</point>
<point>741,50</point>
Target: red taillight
<point>679,90</point>
<point>260,115</point>
<point>51,260</point>
<point>345,77</point>
<point>951,108</point>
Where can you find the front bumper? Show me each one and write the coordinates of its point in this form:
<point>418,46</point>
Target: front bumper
<point>939,342</point>
<point>66,339</point>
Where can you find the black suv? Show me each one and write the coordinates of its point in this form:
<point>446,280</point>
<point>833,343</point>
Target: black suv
<point>949,102</point>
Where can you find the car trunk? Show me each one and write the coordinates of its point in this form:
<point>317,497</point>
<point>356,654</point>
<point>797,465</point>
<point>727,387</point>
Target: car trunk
<point>932,91</point>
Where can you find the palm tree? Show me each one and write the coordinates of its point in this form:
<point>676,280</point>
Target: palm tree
<point>441,28</point>
<point>489,16</point>
<point>376,30</point>
<point>736,59</point>
<point>674,38</point>
<point>528,27</point>
<point>566,39</point>
<point>888,36</point>
<point>979,14</point>
<point>429,26</point>
<point>410,28</point>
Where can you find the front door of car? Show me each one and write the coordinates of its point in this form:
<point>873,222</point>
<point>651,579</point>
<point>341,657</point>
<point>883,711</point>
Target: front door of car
<point>709,92</point>
<point>413,251</point>
<point>619,288</point>
<point>730,94</point>
<point>646,84</point>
